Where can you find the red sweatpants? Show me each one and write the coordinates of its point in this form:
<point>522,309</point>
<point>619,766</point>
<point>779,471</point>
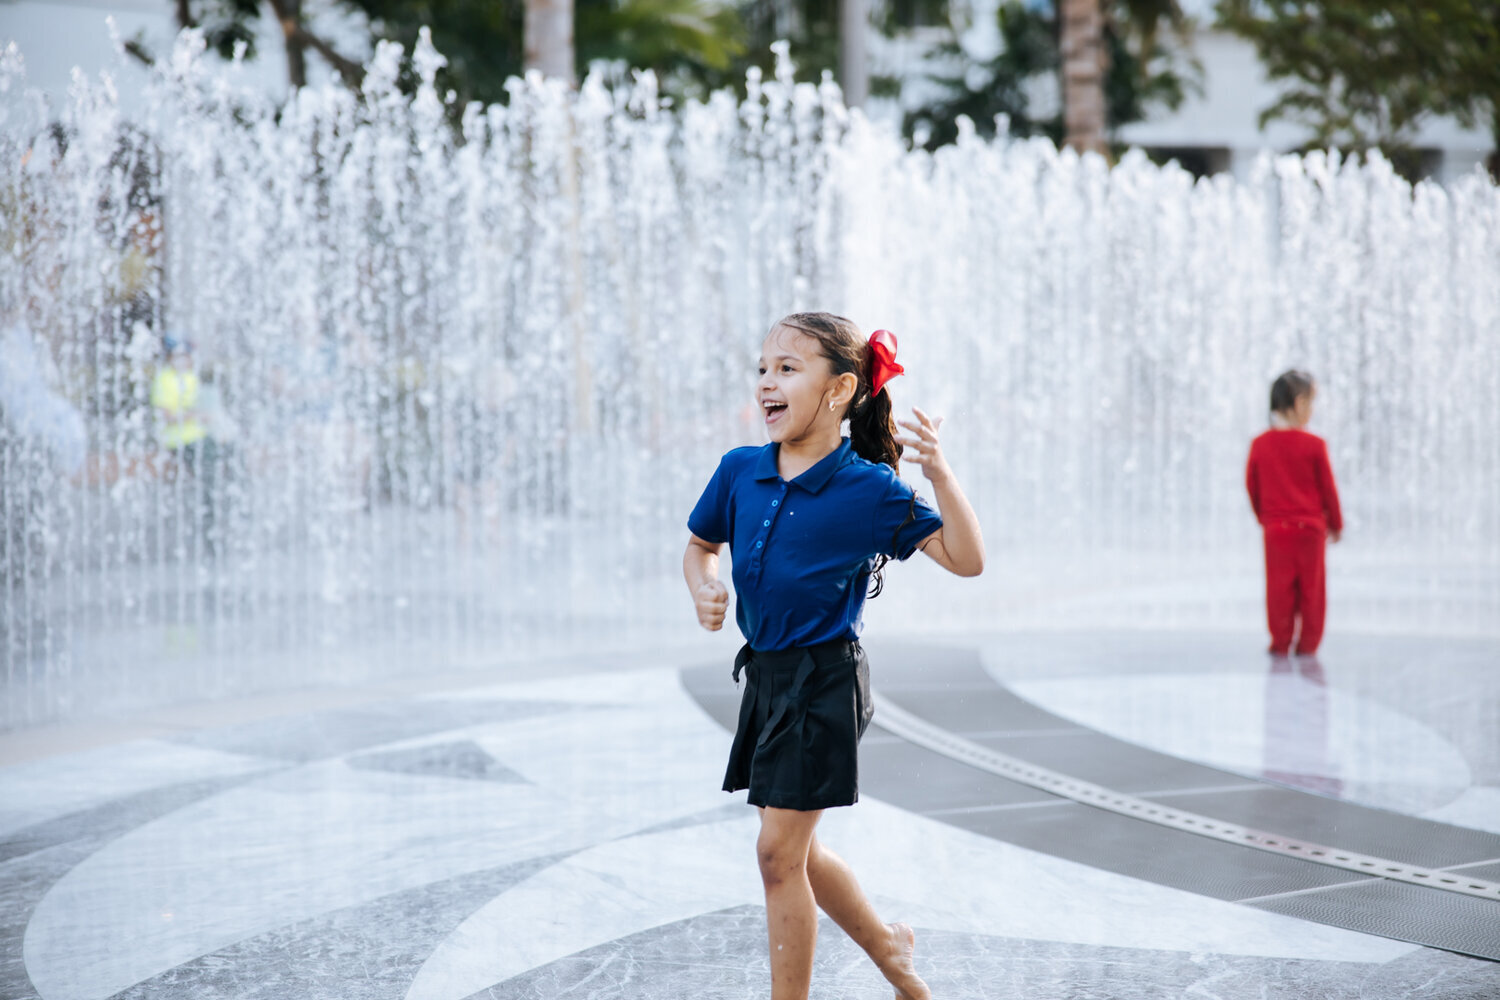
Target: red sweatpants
<point>1294,584</point>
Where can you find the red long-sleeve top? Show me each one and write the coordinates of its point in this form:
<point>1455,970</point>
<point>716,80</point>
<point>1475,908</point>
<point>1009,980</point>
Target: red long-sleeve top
<point>1289,478</point>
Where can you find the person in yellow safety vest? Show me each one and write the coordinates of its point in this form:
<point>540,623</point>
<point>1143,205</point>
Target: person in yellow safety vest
<point>175,393</point>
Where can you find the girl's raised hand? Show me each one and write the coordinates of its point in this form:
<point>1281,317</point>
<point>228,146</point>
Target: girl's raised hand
<point>923,448</point>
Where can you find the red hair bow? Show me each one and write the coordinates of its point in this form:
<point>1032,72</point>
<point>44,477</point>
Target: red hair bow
<point>883,365</point>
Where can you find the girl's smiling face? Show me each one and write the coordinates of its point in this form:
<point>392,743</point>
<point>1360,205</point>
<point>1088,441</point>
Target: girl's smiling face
<point>796,386</point>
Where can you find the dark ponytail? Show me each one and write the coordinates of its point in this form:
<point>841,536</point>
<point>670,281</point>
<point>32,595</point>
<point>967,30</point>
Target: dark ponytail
<point>872,424</point>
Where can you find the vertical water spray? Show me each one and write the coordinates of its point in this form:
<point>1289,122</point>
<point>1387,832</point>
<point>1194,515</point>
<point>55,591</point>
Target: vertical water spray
<point>465,371</point>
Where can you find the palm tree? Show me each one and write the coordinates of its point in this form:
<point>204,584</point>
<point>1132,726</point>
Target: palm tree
<point>1081,46</point>
<point>854,67</point>
<point>549,39</point>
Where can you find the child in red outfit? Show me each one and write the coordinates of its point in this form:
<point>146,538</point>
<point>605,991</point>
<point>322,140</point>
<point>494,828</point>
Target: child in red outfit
<point>1294,498</point>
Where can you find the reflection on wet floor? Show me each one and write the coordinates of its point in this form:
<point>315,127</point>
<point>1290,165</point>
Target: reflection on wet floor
<point>1296,740</point>
<point>1407,723</point>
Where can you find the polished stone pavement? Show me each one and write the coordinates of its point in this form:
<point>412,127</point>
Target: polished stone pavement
<point>562,833</point>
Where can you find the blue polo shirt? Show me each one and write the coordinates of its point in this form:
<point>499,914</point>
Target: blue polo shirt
<point>803,550</point>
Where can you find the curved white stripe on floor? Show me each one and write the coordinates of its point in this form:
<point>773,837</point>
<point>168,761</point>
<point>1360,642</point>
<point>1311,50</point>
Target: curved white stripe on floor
<point>933,875</point>
<point>1477,807</point>
<point>634,753</point>
<point>592,898</point>
<point>45,789</point>
<point>1257,724</point>
<point>314,839</point>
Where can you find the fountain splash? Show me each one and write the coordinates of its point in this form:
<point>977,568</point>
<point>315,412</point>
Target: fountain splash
<point>463,383</point>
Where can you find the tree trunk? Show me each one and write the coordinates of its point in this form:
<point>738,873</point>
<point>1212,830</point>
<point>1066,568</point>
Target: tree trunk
<point>289,16</point>
<point>1492,162</point>
<point>854,66</point>
<point>549,38</point>
<point>296,62</point>
<point>1083,64</point>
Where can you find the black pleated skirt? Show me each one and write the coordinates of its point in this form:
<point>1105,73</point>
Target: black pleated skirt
<point>801,718</point>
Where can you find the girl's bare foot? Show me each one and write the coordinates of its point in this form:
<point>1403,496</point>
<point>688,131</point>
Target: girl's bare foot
<point>898,967</point>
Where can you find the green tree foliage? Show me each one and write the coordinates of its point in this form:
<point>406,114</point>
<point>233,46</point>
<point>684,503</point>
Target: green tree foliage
<point>686,41</point>
<point>811,27</point>
<point>1362,74</point>
<point>664,35</point>
<point>226,24</point>
<point>1142,73</point>
<point>482,41</point>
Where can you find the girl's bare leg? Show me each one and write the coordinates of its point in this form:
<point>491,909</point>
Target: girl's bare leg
<point>888,945</point>
<point>791,911</point>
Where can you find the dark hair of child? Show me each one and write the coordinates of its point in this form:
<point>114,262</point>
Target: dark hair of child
<point>872,427</point>
<point>1288,388</point>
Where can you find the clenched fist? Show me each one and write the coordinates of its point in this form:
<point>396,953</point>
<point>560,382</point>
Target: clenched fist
<point>712,601</point>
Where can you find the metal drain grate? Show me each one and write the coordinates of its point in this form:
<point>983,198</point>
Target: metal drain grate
<point>909,727</point>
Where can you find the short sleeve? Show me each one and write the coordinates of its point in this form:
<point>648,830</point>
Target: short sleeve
<point>710,517</point>
<point>903,519</point>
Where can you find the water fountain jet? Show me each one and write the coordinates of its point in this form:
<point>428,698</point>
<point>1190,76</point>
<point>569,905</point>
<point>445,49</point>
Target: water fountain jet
<point>470,380</point>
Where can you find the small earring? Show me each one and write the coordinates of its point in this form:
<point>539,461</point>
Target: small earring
<point>830,406</point>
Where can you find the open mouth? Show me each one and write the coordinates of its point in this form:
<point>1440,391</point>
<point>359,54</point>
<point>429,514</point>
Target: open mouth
<point>773,410</point>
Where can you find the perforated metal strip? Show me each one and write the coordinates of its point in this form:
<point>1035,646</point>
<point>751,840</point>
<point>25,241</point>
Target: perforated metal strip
<point>909,727</point>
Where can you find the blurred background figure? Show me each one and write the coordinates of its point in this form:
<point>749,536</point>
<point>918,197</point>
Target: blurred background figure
<point>1296,502</point>
<point>42,438</point>
<point>178,397</point>
<point>175,393</point>
<point>34,412</point>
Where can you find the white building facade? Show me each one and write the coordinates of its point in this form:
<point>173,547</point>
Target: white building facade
<point>1219,128</point>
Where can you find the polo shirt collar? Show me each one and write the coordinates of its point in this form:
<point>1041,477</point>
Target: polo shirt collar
<point>814,479</point>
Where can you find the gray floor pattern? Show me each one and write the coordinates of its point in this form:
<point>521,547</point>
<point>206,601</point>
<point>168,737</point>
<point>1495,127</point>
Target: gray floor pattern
<point>495,837</point>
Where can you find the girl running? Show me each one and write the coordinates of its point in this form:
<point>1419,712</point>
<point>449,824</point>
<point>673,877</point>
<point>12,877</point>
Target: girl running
<point>811,520</point>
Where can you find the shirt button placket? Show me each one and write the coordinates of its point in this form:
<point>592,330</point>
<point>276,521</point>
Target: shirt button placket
<point>757,564</point>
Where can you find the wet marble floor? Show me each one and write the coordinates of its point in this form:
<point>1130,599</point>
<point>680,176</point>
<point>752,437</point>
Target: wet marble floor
<point>562,834</point>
